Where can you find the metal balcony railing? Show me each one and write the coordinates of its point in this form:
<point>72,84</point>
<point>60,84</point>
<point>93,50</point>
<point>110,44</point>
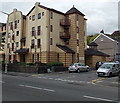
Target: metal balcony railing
<point>64,35</point>
<point>65,22</point>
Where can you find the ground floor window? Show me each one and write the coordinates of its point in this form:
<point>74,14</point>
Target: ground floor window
<point>38,57</point>
<point>58,57</point>
<point>33,58</point>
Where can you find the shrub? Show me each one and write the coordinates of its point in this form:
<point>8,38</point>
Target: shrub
<point>22,63</point>
<point>30,64</point>
<point>50,64</point>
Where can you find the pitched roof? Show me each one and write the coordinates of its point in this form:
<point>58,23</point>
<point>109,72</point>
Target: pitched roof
<point>65,49</point>
<point>116,33</point>
<point>92,52</point>
<point>22,50</point>
<point>41,6</point>
<point>92,44</point>
<point>74,10</point>
<point>113,37</point>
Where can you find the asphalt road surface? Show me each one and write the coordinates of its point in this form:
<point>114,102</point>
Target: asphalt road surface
<point>85,86</point>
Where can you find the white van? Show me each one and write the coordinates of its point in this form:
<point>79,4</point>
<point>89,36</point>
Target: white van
<point>109,69</point>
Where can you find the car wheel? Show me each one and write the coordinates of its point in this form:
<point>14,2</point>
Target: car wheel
<point>87,70</point>
<point>78,70</point>
<point>110,74</point>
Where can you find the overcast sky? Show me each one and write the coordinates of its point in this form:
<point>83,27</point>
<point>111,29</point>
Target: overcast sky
<point>101,14</point>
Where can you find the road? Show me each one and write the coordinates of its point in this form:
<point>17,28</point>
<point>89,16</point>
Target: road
<point>58,87</point>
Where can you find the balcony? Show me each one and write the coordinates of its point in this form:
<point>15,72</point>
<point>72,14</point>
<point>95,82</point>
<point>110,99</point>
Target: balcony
<point>65,22</point>
<point>64,35</point>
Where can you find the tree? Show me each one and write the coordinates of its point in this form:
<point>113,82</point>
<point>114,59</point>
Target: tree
<point>90,38</point>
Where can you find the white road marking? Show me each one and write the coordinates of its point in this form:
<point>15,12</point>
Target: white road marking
<point>50,78</point>
<point>28,86</point>
<point>102,99</point>
<point>65,80</point>
<point>49,90</point>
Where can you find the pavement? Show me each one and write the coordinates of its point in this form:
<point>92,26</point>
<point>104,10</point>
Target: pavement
<point>19,74</point>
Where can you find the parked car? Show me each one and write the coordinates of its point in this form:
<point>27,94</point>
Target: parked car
<point>77,67</point>
<point>108,69</point>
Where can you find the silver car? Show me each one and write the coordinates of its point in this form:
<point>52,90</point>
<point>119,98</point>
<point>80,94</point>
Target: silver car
<point>108,69</point>
<point>77,67</point>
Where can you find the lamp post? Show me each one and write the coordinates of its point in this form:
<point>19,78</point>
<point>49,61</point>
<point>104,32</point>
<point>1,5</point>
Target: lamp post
<point>6,57</point>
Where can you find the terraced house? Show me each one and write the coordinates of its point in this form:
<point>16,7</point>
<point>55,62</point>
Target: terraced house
<point>46,35</point>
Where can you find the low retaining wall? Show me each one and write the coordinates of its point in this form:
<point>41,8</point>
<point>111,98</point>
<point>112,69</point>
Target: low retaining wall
<point>34,68</point>
<point>22,68</point>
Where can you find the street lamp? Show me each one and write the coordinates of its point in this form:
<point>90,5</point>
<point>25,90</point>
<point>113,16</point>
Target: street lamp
<point>6,57</point>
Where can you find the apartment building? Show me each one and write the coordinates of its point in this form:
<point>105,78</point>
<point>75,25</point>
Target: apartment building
<point>46,35</point>
<point>2,40</point>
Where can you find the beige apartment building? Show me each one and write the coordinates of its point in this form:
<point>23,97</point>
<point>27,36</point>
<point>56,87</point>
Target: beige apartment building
<point>2,41</point>
<point>46,35</point>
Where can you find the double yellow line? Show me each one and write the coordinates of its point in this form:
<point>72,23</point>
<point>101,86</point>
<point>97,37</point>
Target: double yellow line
<point>94,81</point>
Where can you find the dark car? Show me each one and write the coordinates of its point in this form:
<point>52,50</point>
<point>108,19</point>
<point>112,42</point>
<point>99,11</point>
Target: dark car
<point>98,64</point>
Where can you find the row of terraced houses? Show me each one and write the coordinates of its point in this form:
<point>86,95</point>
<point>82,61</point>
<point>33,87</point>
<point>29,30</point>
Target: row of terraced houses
<point>46,35</point>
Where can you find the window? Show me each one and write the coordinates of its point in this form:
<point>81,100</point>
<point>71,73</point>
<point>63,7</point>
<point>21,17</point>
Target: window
<point>8,45</point>
<point>17,33</point>
<point>2,28</point>
<point>8,35</point>
<point>33,31</point>
<point>51,15</point>
<point>39,16</point>
<point>12,46</point>
<point>33,58</point>
<point>58,56</point>
<point>16,24</point>
<point>37,57</point>
<point>42,13</point>
<point>77,29</point>
<point>13,37</point>
<point>51,28</point>
<point>29,17</point>
<point>77,18</point>
<point>24,43</point>
<point>39,29</point>
<point>77,42</point>
<point>18,21</point>
<point>51,41</point>
<point>38,43</point>
<point>33,18</point>
<point>11,26</point>
<point>32,43</point>
<point>17,44</point>
<point>5,27</point>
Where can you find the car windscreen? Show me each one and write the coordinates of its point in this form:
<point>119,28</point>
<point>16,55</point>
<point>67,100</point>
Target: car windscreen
<point>71,64</point>
<point>106,66</point>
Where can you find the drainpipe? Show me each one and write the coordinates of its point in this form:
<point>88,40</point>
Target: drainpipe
<point>49,38</point>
